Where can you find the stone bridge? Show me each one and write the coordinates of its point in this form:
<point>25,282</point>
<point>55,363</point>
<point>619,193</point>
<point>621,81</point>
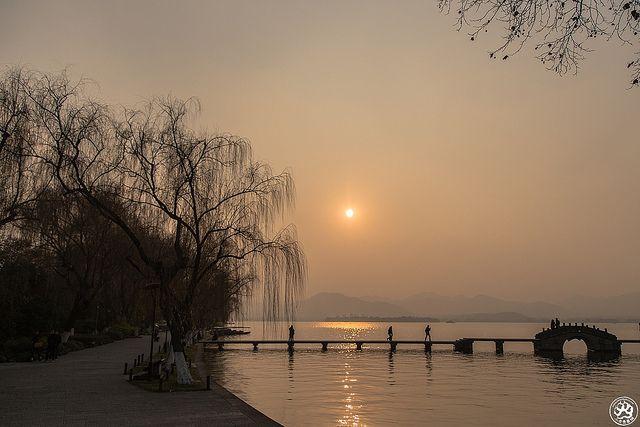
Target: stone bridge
<point>601,344</point>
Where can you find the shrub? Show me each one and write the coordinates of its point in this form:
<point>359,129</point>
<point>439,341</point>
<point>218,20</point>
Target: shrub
<point>104,339</point>
<point>72,345</point>
<point>115,334</point>
<point>85,326</point>
<point>18,349</point>
<point>24,356</point>
<point>126,329</point>
<point>88,340</point>
<point>85,340</point>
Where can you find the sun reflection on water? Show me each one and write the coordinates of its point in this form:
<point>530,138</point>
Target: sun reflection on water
<point>360,326</point>
<point>352,409</point>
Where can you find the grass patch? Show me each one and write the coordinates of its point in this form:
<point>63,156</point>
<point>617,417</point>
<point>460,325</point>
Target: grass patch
<point>170,384</point>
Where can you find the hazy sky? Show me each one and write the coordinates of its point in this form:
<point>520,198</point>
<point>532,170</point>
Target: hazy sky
<point>467,175</point>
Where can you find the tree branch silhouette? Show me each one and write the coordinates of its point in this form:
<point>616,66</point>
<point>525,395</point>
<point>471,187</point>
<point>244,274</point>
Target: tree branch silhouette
<point>560,30</point>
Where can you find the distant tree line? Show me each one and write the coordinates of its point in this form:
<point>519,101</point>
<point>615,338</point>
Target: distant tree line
<point>103,208</point>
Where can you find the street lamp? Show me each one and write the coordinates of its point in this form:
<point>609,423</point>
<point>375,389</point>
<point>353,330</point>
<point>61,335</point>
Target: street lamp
<point>152,287</point>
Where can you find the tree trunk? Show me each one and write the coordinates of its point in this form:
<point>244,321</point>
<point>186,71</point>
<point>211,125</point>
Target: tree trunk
<point>79,306</point>
<point>183,374</point>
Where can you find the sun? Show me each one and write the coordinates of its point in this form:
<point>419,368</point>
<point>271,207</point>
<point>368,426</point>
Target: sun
<point>349,213</point>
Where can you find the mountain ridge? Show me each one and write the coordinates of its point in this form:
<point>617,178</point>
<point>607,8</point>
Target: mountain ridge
<point>473,308</point>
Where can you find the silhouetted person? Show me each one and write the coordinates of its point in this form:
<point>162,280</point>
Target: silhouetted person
<point>557,323</point>
<point>292,332</point>
<point>553,324</point>
<point>36,346</point>
<point>53,341</point>
<point>49,351</point>
<point>427,332</point>
<point>58,343</point>
<point>390,333</point>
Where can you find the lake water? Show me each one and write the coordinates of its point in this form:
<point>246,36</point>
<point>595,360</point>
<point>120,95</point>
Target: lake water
<point>344,386</point>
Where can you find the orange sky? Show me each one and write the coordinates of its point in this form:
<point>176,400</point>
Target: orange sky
<point>467,175</point>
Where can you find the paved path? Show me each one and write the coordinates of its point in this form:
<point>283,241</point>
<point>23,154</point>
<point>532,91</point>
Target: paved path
<point>87,388</point>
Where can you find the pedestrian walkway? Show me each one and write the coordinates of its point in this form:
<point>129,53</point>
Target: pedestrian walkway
<point>87,387</point>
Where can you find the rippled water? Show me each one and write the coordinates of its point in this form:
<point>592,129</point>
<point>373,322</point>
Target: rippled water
<point>376,387</point>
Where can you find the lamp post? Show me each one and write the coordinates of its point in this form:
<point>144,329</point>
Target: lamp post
<point>152,287</point>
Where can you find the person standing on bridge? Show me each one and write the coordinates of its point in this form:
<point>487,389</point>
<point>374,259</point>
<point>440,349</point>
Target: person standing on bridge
<point>292,332</point>
<point>390,333</point>
<point>427,332</point>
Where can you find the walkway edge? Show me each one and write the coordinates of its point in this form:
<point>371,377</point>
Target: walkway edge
<point>239,404</point>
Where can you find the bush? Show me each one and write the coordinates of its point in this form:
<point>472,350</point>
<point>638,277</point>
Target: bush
<point>115,334</point>
<point>84,340</point>
<point>125,329</point>
<point>91,340</point>
<point>37,314</point>
<point>72,345</point>
<point>104,339</point>
<point>85,326</point>
<point>18,349</point>
<point>24,356</point>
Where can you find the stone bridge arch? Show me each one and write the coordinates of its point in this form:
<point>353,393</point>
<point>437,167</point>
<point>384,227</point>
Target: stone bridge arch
<point>601,344</point>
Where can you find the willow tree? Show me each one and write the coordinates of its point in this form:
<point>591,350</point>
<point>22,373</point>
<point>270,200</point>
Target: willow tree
<point>90,253</point>
<point>215,204</point>
<point>19,178</point>
<point>207,202</point>
<point>561,30</point>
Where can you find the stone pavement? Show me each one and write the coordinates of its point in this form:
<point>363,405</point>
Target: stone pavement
<point>87,387</point>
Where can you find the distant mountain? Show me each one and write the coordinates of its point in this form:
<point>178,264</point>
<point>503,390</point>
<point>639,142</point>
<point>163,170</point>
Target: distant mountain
<point>325,304</point>
<point>625,306</point>
<point>430,304</point>
<point>479,308</point>
<point>509,317</point>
